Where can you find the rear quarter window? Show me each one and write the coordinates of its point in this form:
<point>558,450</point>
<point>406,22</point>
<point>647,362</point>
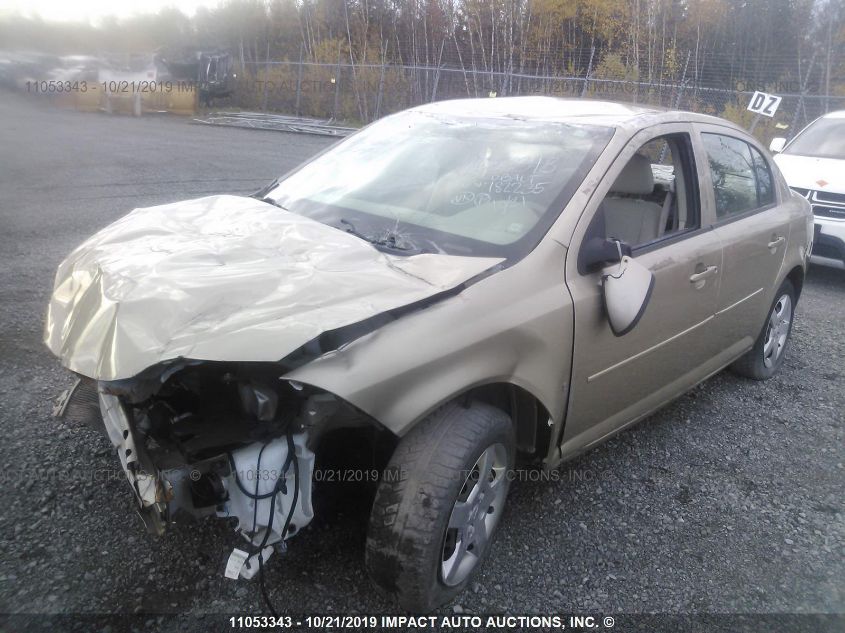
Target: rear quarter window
<point>763,175</point>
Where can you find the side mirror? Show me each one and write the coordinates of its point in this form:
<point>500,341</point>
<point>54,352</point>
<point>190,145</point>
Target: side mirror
<point>626,290</point>
<point>598,251</point>
<point>777,145</point>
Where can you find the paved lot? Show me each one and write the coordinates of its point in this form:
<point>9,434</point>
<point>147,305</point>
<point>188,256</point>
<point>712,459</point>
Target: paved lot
<point>729,500</point>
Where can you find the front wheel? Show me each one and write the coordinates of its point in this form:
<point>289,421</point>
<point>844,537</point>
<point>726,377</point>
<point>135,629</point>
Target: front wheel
<point>439,503</point>
<point>763,360</point>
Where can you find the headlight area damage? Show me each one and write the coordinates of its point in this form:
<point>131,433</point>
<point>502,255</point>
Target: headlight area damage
<point>182,321</point>
<point>212,439</point>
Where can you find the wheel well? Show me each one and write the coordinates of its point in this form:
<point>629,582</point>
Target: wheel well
<point>356,439</point>
<point>529,416</point>
<point>796,276</point>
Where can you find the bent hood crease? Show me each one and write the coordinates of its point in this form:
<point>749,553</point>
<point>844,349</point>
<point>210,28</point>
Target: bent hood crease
<point>225,278</point>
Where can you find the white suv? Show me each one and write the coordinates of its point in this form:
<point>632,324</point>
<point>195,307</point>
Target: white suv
<point>813,164</point>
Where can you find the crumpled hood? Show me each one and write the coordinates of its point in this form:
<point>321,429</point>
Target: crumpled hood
<point>225,278</point>
<point>807,172</point>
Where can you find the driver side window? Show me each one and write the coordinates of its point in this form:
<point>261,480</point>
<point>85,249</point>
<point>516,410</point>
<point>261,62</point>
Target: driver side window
<point>654,196</point>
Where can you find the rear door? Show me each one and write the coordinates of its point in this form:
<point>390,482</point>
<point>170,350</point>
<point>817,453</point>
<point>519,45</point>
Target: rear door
<point>618,379</point>
<point>751,226</point>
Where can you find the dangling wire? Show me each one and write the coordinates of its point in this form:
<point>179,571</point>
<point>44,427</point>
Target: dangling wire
<point>278,487</point>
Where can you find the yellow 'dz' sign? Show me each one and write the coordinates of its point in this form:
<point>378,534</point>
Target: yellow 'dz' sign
<point>764,103</point>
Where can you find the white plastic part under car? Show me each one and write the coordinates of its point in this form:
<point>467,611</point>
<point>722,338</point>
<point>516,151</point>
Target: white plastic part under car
<point>258,470</point>
<point>270,499</point>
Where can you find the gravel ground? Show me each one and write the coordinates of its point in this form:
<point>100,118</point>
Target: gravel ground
<point>727,501</point>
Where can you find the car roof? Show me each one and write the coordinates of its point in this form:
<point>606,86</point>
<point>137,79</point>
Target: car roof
<point>560,110</point>
<point>838,114</point>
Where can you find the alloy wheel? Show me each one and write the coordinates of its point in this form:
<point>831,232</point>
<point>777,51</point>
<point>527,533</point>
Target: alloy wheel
<point>777,330</point>
<point>475,514</point>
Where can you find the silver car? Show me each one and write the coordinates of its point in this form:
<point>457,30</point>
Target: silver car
<point>455,290</point>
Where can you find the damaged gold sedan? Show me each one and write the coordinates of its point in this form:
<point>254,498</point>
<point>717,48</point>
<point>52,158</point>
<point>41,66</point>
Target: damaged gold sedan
<point>457,287</point>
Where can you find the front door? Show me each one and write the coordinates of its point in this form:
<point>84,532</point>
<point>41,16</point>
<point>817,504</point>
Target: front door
<point>650,200</point>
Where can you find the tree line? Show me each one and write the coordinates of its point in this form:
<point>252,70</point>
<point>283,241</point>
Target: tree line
<point>788,46</point>
<point>718,42</point>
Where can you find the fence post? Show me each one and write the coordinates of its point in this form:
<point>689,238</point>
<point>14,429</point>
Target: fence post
<point>436,81</point>
<point>337,85</point>
<point>380,94</point>
<point>589,70</point>
<point>266,74</point>
<point>795,115</point>
<point>299,80</point>
<point>803,92</point>
<point>683,81</point>
<point>754,124</point>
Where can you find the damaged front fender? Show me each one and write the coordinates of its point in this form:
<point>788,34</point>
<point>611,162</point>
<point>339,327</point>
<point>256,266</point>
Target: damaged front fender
<point>405,369</point>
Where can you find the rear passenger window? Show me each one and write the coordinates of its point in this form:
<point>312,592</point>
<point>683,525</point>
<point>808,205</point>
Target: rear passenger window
<point>742,180</point>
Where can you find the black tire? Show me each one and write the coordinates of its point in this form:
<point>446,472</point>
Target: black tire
<point>758,363</point>
<point>407,533</point>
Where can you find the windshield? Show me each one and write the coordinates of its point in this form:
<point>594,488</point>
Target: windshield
<point>418,182</point>
<point>824,138</point>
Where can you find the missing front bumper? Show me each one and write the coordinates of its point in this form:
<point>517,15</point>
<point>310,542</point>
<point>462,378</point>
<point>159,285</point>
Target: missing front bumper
<point>265,485</point>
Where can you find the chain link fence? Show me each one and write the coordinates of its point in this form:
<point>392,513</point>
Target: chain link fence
<point>361,93</point>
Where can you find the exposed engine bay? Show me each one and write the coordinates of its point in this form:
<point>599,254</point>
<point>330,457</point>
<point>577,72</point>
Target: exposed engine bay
<point>221,440</point>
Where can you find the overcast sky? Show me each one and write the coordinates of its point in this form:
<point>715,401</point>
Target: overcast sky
<point>92,10</point>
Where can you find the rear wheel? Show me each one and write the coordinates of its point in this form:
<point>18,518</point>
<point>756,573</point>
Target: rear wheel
<point>766,357</point>
<point>439,503</point>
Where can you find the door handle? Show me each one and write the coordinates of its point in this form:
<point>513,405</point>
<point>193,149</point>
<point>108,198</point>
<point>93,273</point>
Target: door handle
<point>704,274</point>
<point>777,241</point>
